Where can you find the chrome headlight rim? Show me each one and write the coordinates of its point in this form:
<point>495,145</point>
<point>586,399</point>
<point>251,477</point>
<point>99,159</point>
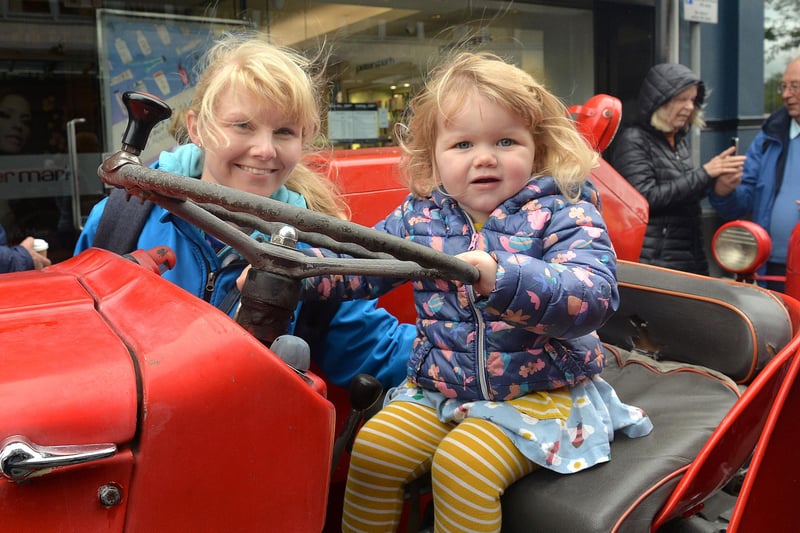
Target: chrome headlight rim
<point>741,246</point>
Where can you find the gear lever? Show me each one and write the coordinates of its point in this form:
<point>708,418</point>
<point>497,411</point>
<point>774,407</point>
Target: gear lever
<point>364,392</point>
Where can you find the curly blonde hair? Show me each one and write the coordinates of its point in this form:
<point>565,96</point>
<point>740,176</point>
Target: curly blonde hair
<point>280,77</point>
<point>561,151</point>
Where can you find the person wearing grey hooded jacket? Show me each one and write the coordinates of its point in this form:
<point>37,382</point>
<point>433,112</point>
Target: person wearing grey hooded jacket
<point>654,155</point>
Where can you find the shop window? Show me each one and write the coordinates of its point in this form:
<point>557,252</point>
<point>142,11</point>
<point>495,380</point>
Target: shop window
<point>382,52</point>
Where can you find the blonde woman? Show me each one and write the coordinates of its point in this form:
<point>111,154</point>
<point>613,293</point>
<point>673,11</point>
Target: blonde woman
<point>654,155</point>
<point>254,116</point>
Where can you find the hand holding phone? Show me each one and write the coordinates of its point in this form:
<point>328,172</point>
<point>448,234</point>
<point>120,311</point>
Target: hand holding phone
<point>735,144</point>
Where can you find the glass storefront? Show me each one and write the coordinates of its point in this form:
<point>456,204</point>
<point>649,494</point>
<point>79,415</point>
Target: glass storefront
<point>60,76</point>
<point>381,52</point>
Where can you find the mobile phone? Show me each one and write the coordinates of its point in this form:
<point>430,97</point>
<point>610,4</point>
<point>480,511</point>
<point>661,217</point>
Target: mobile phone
<point>735,144</point>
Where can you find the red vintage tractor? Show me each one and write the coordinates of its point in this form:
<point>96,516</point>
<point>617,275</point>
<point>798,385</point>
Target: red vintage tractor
<point>130,405</point>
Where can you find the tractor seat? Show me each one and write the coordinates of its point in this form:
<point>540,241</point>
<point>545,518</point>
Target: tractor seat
<point>665,312</point>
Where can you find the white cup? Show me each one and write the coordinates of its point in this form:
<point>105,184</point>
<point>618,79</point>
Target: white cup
<point>40,246</point>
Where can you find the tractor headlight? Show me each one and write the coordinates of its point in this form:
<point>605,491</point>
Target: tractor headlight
<point>741,246</point>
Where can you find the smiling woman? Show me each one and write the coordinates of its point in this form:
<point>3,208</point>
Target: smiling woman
<point>257,147</point>
<point>254,115</point>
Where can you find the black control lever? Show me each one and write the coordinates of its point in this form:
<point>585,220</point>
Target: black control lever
<point>267,304</point>
<point>364,392</point>
<point>144,112</point>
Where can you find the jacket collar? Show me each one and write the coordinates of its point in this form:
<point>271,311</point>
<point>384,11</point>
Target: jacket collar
<point>537,187</point>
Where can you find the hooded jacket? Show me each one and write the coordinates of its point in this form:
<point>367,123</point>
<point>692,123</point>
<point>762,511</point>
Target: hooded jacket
<point>555,286</point>
<point>665,176</point>
<point>356,337</point>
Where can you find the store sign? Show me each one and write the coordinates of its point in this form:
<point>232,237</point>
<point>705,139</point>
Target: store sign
<point>46,175</point>
<point>375,64</point>
<point>700,11</point>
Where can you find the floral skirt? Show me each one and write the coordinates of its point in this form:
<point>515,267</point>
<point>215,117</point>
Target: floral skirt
<point>565,430</point>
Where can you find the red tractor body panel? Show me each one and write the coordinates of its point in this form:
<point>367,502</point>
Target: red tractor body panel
<point>96,345</point>
<point>60,346</point>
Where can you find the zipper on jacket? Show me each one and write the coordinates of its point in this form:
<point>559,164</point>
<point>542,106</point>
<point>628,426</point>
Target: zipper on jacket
<point>480,336</point>
<point>480,342</point>
<point>211,280</point>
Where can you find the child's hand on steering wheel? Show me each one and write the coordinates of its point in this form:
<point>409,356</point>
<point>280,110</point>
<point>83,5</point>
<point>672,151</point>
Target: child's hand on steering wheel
<point>487,267</point>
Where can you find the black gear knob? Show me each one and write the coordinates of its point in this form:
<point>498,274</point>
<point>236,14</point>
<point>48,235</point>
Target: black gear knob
<point>144,112</point>
<point>364,391</point>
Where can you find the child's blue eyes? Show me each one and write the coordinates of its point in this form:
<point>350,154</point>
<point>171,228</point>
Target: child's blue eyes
<point>506,142</point>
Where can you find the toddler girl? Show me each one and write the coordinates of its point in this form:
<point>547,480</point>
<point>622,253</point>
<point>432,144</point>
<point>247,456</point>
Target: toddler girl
<point>504,374</point>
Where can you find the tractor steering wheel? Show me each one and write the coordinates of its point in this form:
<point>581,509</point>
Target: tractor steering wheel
<point>221,211</point>
<point>373,252</point>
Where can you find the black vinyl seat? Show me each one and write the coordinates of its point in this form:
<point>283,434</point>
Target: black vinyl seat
<point>685,405</point>
<point>675,338</point>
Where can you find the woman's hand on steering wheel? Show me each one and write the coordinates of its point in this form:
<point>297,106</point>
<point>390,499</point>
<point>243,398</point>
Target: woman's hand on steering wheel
<point>242,277</point>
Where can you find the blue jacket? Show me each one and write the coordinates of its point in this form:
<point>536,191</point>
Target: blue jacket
<point>13,258</point>
<point>360,337</point>
<point>555,286</point>
<point>762,176</point>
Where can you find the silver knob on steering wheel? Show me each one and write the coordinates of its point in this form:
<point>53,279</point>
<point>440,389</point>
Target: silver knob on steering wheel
<point>285,236</point>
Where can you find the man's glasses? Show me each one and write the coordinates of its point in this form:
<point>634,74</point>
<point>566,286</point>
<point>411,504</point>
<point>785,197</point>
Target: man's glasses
<point>793,88</point>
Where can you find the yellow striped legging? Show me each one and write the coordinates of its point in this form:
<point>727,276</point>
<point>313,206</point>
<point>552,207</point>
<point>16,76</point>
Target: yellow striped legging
<point>471,465</point>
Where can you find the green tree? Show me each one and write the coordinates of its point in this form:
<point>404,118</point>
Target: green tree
<point>781,26</point>
<point>772,99</point>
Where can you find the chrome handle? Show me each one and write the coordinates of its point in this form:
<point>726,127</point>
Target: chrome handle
<point>73,166</point>
<point>21,458</point>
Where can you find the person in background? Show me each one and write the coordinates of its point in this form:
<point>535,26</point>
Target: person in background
<point>16,120</point>
<point>768,190</point>
<point>20,257</point>
<point>15,131</point>
<point>654,155</point>
<point>505,372</point>
<point>254,115</point>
